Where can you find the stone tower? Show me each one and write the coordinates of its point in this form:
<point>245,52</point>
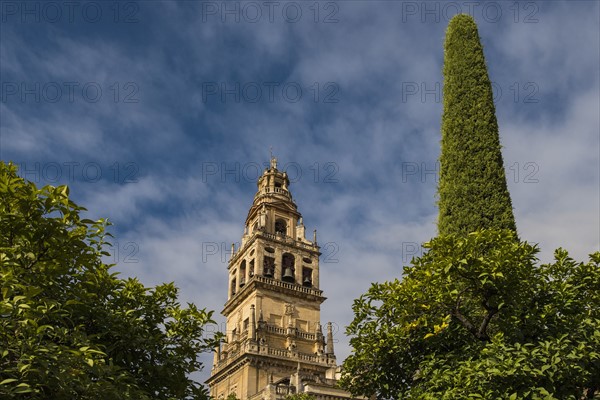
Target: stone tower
<point>274,341</point>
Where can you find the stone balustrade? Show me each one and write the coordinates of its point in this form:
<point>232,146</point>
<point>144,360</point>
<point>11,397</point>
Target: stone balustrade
<point>291,286</point>
<point>234,350</point>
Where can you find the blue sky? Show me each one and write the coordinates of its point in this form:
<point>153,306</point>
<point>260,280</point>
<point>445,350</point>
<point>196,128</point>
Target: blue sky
<point>159,114</point>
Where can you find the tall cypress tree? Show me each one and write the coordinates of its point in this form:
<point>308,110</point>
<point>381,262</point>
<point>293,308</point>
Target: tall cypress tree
<point>472,187</point>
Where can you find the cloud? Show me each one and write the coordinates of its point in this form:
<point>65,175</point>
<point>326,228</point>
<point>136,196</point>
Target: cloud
<point>178,166</point>
<point>553,177</point>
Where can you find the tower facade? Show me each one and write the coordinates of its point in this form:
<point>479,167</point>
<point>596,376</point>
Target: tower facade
<point>275,344</point>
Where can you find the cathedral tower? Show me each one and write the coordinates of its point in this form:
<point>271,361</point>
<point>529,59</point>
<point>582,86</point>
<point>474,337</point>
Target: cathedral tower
<point>274,341</point>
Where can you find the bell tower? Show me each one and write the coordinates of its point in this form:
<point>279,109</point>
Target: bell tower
<point>274,341</point>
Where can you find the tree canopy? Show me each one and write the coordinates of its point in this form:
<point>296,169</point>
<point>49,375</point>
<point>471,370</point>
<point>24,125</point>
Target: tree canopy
<point>70,328</point>
<point>300,396</point>
<point>472,187</point>
<point>475,317</point>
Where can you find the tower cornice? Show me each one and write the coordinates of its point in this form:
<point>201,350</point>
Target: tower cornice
<point>262,282</point>
<point>251,353</point>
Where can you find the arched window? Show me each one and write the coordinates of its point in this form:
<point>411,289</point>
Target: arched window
<point>287,268</point>
<point>243,273</point>
<point>307,276</point>
<point>233,286</point>
<point>251,269</point>
<point>280,227</point>
<point>268,266</point>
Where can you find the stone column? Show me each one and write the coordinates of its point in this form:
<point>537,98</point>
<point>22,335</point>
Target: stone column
<point>278,267</point>
<point>252,322</point>
<point>258,266</point>
<point>298,268</point>
<point>315,272</point>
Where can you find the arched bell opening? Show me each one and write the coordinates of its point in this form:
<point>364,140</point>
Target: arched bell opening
<point>307,277</point>
<point>233,285</point>
<point>280,227</point>
<point>268,266</point>
<point>243,273</point>
<point>251,269</point>
<point>287,268</point>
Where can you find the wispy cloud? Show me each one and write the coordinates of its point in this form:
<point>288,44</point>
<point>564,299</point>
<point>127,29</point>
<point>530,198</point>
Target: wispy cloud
<point>178,163</point>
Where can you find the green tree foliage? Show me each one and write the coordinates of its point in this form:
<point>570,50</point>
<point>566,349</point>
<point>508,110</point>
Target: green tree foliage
<point>69,327</point>
<point>475,317</point>
<point>472,187</point>
<point>300,396</point>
